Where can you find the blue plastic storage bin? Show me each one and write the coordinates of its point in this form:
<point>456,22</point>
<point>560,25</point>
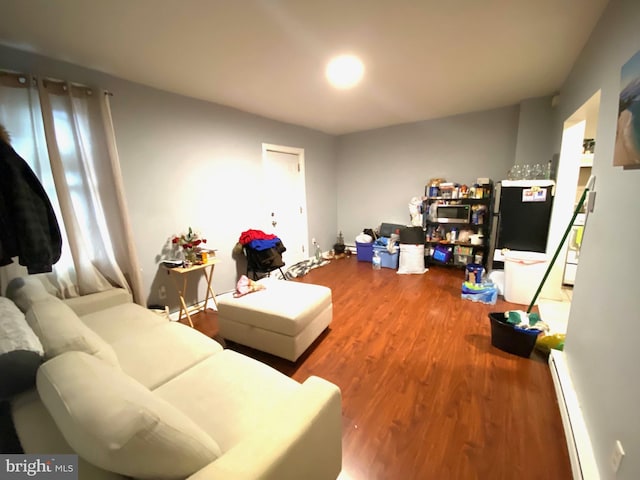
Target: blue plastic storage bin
<point>441,254</point>
<point>364,252</point>
<point>387,260</point>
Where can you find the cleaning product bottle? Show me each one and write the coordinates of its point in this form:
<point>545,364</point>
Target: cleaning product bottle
<point>318,252</point>
<point>376,261</point>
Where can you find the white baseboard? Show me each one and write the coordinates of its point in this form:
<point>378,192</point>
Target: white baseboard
<point>173,316</point>
<point>583,464</point>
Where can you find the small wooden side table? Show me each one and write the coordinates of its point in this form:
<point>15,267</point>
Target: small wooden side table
<point>207,269</point>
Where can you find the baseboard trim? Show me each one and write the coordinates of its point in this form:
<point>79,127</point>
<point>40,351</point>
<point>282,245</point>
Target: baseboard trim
<point>173,316</point>
<point>583,464</point>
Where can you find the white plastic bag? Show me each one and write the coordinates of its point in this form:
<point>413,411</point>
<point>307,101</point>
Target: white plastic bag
<point>411,259</point>
<point>414,211</point>
<point>364,238</point>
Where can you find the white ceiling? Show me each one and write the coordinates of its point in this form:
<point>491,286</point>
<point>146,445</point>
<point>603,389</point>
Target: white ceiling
<point>423,58</point>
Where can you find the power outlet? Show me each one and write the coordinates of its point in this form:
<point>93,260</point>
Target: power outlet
<point>617,456</point>
<point>162,292</point>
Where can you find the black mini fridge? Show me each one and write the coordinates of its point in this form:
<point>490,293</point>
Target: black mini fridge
<point>521,216</point>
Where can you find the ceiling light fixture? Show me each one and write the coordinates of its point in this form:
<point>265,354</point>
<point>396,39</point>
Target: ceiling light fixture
<point>344,71</point>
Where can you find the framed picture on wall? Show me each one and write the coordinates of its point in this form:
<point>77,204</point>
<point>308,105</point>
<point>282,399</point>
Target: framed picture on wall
<point>627,147</point>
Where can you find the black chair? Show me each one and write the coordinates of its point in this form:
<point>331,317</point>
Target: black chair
<point>264,261</point>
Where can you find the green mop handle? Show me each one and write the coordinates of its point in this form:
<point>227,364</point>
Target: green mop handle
<point>555,255</point>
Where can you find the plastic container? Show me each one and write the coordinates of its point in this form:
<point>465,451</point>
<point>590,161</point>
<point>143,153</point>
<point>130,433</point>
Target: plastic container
<point>441,254</point>
<point>364,252</point>
<point>523,272</point>
<point>510,339</point>
<point>387,260</point>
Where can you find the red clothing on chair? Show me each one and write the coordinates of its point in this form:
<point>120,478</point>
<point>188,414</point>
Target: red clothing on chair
<point>249,235</point>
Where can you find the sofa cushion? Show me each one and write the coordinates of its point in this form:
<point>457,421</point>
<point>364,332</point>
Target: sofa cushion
<point>122,321</point>
<point>117,424</point>
<point>228,395</point>
<point>20,351</point>
<point>93,302</point>
<point>26,290</point>
<point>61,330</point>
<point>158,354</point>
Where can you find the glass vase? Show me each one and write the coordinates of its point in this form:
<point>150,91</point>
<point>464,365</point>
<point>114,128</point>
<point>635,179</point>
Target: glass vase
<point>190,256</point>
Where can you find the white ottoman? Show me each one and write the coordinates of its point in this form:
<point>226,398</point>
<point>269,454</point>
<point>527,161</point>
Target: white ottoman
<point>283,319</point>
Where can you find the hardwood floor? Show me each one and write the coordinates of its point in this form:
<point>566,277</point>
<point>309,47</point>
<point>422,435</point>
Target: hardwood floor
<point>424,394</point>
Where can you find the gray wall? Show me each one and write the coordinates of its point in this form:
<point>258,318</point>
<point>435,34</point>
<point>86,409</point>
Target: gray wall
<point>535,126</point>
<point>379,171</point>
<point>191,163</point>
<point>602,342</point>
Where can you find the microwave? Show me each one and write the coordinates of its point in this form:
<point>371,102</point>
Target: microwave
<point>453,213</point>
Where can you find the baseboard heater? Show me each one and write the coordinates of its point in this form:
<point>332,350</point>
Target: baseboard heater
<point>583,464</point>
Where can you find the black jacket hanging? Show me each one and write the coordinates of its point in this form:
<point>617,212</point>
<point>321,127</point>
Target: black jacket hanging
<point>28,226</point>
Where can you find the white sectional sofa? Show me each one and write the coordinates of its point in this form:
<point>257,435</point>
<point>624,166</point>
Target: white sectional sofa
<point>138,396</point>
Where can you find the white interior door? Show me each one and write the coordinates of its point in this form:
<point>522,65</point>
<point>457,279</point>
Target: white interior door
<point>285,202</point>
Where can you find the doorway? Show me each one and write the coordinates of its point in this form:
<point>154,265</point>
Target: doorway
<point>285,206</point>
<point>579,141</point>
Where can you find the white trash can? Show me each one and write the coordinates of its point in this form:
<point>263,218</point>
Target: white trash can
<point>523,272</point>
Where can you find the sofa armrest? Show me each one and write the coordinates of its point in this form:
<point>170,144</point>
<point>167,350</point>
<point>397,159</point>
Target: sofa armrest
<point>301,439</point>
<point>94,302</point>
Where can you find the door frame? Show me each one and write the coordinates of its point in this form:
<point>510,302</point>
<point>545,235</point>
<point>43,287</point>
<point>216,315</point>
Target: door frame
<point>302,187</point>
<point>583,120</point>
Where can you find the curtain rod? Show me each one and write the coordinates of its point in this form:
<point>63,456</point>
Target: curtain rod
<point>52,79</point>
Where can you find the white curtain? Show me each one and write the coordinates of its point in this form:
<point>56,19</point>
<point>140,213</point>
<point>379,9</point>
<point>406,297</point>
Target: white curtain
<point>64,132</point>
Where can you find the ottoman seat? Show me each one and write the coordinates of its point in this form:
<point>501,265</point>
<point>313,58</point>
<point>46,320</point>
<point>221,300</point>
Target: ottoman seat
<point>283,319</point>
